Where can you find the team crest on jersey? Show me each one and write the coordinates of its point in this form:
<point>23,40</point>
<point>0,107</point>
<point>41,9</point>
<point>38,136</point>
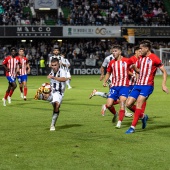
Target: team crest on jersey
<point>123,64</point>
<point>149,60</point>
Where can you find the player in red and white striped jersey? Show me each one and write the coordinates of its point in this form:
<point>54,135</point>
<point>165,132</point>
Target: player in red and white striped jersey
<point>133,75</point>
<point>119,68</point>
<point>24,70</point>
<point>149,63</point>
<point>11,65</point>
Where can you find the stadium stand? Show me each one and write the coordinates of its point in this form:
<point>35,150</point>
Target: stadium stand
<point>81,12</point>
<point>74,12</point>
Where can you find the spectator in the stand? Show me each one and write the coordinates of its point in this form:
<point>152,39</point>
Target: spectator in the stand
<point>33,51</point>
<point>13,20</point>
<point>74,55</point>
<point>107,53</point>
<point>42,66</point>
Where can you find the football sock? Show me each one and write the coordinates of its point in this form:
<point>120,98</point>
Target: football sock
<point>133,108</point>
<point>121,114</point>
<point>6,95</point>
<point>54,118</point>
<point>11,92</point>
<point>137,114</point>
<point>143,107</point>
<point>115,102</point>
<point>21,90</point>
<point>25,91</point>
<point>68,83</point>
<point>112,109</point>
<point>102,94</point>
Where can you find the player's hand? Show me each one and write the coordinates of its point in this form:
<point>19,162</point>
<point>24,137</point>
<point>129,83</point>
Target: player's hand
<point>165,89</point>
<point>50,76</point>
<point>104,84</point>
<point>101,77</point>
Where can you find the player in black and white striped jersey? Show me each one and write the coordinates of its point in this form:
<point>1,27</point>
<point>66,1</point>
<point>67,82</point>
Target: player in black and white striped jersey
<point>65,66</point>
<point>56,54</point>
<point>57,80</point>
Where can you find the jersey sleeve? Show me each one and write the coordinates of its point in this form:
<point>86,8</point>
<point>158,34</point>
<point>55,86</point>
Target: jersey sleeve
<point>5,61</point>
<point>157,61</point>
<point>109,68</point>
<point>62,73</point>
<point>68,63</point>
<point>104,64</point>
<point>49,62</point>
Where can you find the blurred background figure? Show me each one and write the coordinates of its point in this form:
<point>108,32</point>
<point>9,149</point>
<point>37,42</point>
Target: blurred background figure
<point>42,64</point>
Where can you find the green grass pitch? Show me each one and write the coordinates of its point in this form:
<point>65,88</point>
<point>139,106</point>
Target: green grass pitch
<point>83,140</point>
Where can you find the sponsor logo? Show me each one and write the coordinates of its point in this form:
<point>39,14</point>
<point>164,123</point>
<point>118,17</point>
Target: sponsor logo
<point>45,3</point>
<point>33,31</point>
<point>102,31</point>
<point>87,71</point>
<point>34,71</point>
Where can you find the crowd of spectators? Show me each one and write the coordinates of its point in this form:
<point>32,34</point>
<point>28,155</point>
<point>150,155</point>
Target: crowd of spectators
<point>77,49</point>
<point>11,12</point>
<point>117,12</point>
<point>90,12</point>
<point>85,12</point>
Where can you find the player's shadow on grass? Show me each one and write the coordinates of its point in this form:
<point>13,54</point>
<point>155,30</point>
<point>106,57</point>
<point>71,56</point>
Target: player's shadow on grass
<point>155,127</point>
<point>68,126</point>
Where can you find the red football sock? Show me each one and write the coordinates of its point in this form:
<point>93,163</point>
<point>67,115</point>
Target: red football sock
<point>25,91</point>
<point>137,114</point>
<point>121,114</point>
<point>143,107</point>
<point>115,102</point>
<point>6,95</point>
<point>133,108</point>
<point>112,109</point>
<point>143,110</point>
<point>11,92</point>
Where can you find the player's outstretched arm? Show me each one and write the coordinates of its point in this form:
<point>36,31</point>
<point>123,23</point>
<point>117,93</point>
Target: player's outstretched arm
<point>102,73</point>
<point>106,79</point>
<point>164,75</point>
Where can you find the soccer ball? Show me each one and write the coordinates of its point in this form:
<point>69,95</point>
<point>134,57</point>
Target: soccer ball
<point>46,88</point>
<point>128,114</point>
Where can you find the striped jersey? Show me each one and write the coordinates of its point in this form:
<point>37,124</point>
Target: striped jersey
<point>67,63</point>
<point>23,69</point>
<point>58,86</point>
<point>55,56</point>
<point>107,60</point>
<point>12,64</point>
<point>132,79</point>
<point>120,71</point>
<point>148,68</point>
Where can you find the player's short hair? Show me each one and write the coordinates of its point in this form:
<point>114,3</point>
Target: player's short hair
<point>54,60</point>
<point>146,43</point>
<point>56,48</point>
<point>22,49</point>
<point>13,49</point>
<point>117,46</point>
<point>136,48</point>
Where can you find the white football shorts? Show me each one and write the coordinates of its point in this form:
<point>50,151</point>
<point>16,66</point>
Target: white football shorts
<point>57,97</point>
